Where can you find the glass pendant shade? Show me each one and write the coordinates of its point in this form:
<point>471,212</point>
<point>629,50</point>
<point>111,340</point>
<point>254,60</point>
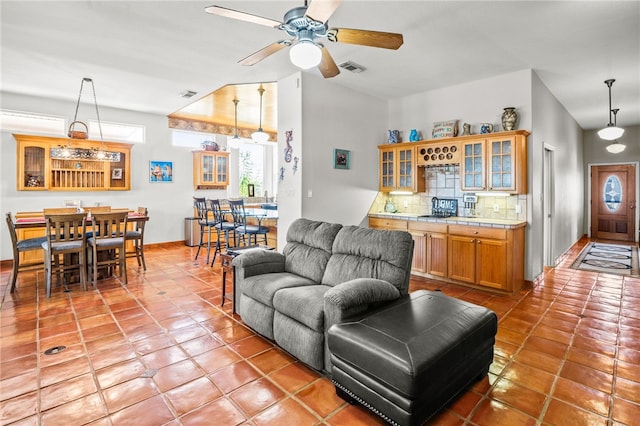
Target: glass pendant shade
<point>610,133</point>
<point>616,148</point>
<point>305,55</point>
<point>259,136</point>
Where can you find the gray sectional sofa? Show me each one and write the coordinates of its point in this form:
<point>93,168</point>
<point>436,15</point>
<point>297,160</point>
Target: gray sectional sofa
<point>325,274</point>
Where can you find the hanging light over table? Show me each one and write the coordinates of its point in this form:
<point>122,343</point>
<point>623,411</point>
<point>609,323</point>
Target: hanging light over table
<point>260,136</point>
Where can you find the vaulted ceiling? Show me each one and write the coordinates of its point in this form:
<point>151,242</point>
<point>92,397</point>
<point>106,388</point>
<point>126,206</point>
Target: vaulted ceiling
<point>143,54</point>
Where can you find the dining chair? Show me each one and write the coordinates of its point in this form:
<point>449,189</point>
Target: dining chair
<point>207,224</point>
<point>221,226</point>
<point>21,246</point>
<point>66,237</point>
<point>136,235</point>
<point>240,222</point>
<point>107,243</point>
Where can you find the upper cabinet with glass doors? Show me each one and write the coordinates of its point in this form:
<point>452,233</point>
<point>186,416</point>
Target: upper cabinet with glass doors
<point>495,162</point>
<point>398,171</point>
<point>210,169</point>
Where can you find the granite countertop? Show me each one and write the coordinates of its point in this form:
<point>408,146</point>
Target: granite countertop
<point>454,220</point>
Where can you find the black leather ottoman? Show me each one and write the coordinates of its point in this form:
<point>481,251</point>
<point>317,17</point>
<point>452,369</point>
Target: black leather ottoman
<point>409,359</point>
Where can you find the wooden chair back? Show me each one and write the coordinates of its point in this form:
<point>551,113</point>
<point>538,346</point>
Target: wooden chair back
<point>109,225</point>
<point>59,210</point>
<point>98,209</point>
<point>65,227</point>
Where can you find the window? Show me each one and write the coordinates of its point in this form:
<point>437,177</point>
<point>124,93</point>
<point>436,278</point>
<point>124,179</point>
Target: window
<point>190,139</point>
<point>17,121</point>
<point>117,131</point>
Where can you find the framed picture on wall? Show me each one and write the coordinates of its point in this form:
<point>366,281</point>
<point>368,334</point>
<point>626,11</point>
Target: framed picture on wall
<point>116,174</point>
<point>341,159</point>
<point>160,171</point>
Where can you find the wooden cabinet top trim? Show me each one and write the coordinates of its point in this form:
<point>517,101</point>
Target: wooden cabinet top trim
<point>480,136</point>
<point>80,143</point>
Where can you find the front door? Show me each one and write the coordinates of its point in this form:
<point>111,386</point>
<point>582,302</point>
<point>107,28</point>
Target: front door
<point>613,202</point>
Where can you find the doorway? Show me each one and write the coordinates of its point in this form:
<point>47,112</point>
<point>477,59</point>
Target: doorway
<point>547,207</point>
<point>613,202</point>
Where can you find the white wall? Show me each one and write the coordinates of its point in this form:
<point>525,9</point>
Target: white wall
<point>168,203</point>
<point>289,188</point>
<point>476,102</point>
<point>555,127</point>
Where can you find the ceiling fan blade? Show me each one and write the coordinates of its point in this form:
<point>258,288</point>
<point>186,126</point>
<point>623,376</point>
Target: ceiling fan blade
<point>327,66</point>
<point>261,54</point>
<point>365,38</point>
<point>242,16</point>
<point>321,10</point>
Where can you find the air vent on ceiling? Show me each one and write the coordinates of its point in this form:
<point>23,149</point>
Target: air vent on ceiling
<point>188,94</point>
<point>352,66</point>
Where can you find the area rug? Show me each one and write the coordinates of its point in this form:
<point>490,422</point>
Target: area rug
<point>608,258</point>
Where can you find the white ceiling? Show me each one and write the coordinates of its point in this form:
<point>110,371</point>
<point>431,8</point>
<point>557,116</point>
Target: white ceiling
<point>142,54</point>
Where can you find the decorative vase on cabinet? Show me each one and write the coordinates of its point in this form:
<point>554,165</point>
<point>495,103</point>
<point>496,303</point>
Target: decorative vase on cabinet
<point>509,118</point>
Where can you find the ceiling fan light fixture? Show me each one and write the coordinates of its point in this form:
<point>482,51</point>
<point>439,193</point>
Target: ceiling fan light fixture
<point>305,55</point>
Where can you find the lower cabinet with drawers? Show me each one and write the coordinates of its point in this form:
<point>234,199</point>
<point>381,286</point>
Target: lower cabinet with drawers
<point>464,253</point>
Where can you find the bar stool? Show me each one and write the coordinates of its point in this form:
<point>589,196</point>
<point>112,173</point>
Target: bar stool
<point>206,224</point>
<point>221,226</point>
<point>21,246</point>
<point>240,222</point>
<point>136,235</point>
<point>65,236</point>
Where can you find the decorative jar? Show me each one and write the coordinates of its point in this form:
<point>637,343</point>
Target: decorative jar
<point>509,118</point>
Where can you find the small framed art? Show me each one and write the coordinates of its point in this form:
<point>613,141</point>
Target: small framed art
<point>341,159</point>
<point>116,174</point>
<point>161,171</point>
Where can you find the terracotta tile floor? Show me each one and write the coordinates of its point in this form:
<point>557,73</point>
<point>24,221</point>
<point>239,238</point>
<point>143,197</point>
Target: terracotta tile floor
<point>162,351</point>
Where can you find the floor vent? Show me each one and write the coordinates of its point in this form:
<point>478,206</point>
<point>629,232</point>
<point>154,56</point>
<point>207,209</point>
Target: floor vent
<point>352,66</point>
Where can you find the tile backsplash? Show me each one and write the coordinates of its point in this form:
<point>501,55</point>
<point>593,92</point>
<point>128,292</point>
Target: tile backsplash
<point>444,182</point>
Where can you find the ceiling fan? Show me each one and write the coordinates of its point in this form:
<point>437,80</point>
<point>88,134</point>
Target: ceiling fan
<point>306,24</point>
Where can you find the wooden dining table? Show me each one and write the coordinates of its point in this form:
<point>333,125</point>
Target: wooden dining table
<point>32,225</point>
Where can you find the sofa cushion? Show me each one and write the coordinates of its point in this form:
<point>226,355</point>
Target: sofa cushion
<point>303,304</point>
<point>308,247</point>
<point>263,287</point>
<point>370,253</point>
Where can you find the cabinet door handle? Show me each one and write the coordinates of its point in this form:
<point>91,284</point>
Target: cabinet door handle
<point>472,240</point>
<point>478,241</point>
<point>475,232</point>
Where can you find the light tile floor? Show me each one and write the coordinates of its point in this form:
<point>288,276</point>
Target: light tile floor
<point>162,351</point>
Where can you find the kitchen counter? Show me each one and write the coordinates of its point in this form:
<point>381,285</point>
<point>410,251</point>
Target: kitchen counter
<point>455,220</point>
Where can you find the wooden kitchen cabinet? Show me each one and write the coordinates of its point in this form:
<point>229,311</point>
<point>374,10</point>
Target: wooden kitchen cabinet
<point>430,247</point>
<point>488,257</point>
<point>398,171</point>
<point>437,254</point>
<point>210,169</point>
<point>495,162</point>
<point>60,164</point>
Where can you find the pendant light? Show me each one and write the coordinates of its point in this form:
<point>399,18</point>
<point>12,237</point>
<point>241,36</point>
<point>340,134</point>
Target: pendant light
<point>260,136</point>
<point>612,131</point>
<point>616,147</point>
<point>234,142</point>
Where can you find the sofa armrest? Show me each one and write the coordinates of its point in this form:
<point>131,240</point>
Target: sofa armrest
<point>257,262</point>
<point>354,297</point>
